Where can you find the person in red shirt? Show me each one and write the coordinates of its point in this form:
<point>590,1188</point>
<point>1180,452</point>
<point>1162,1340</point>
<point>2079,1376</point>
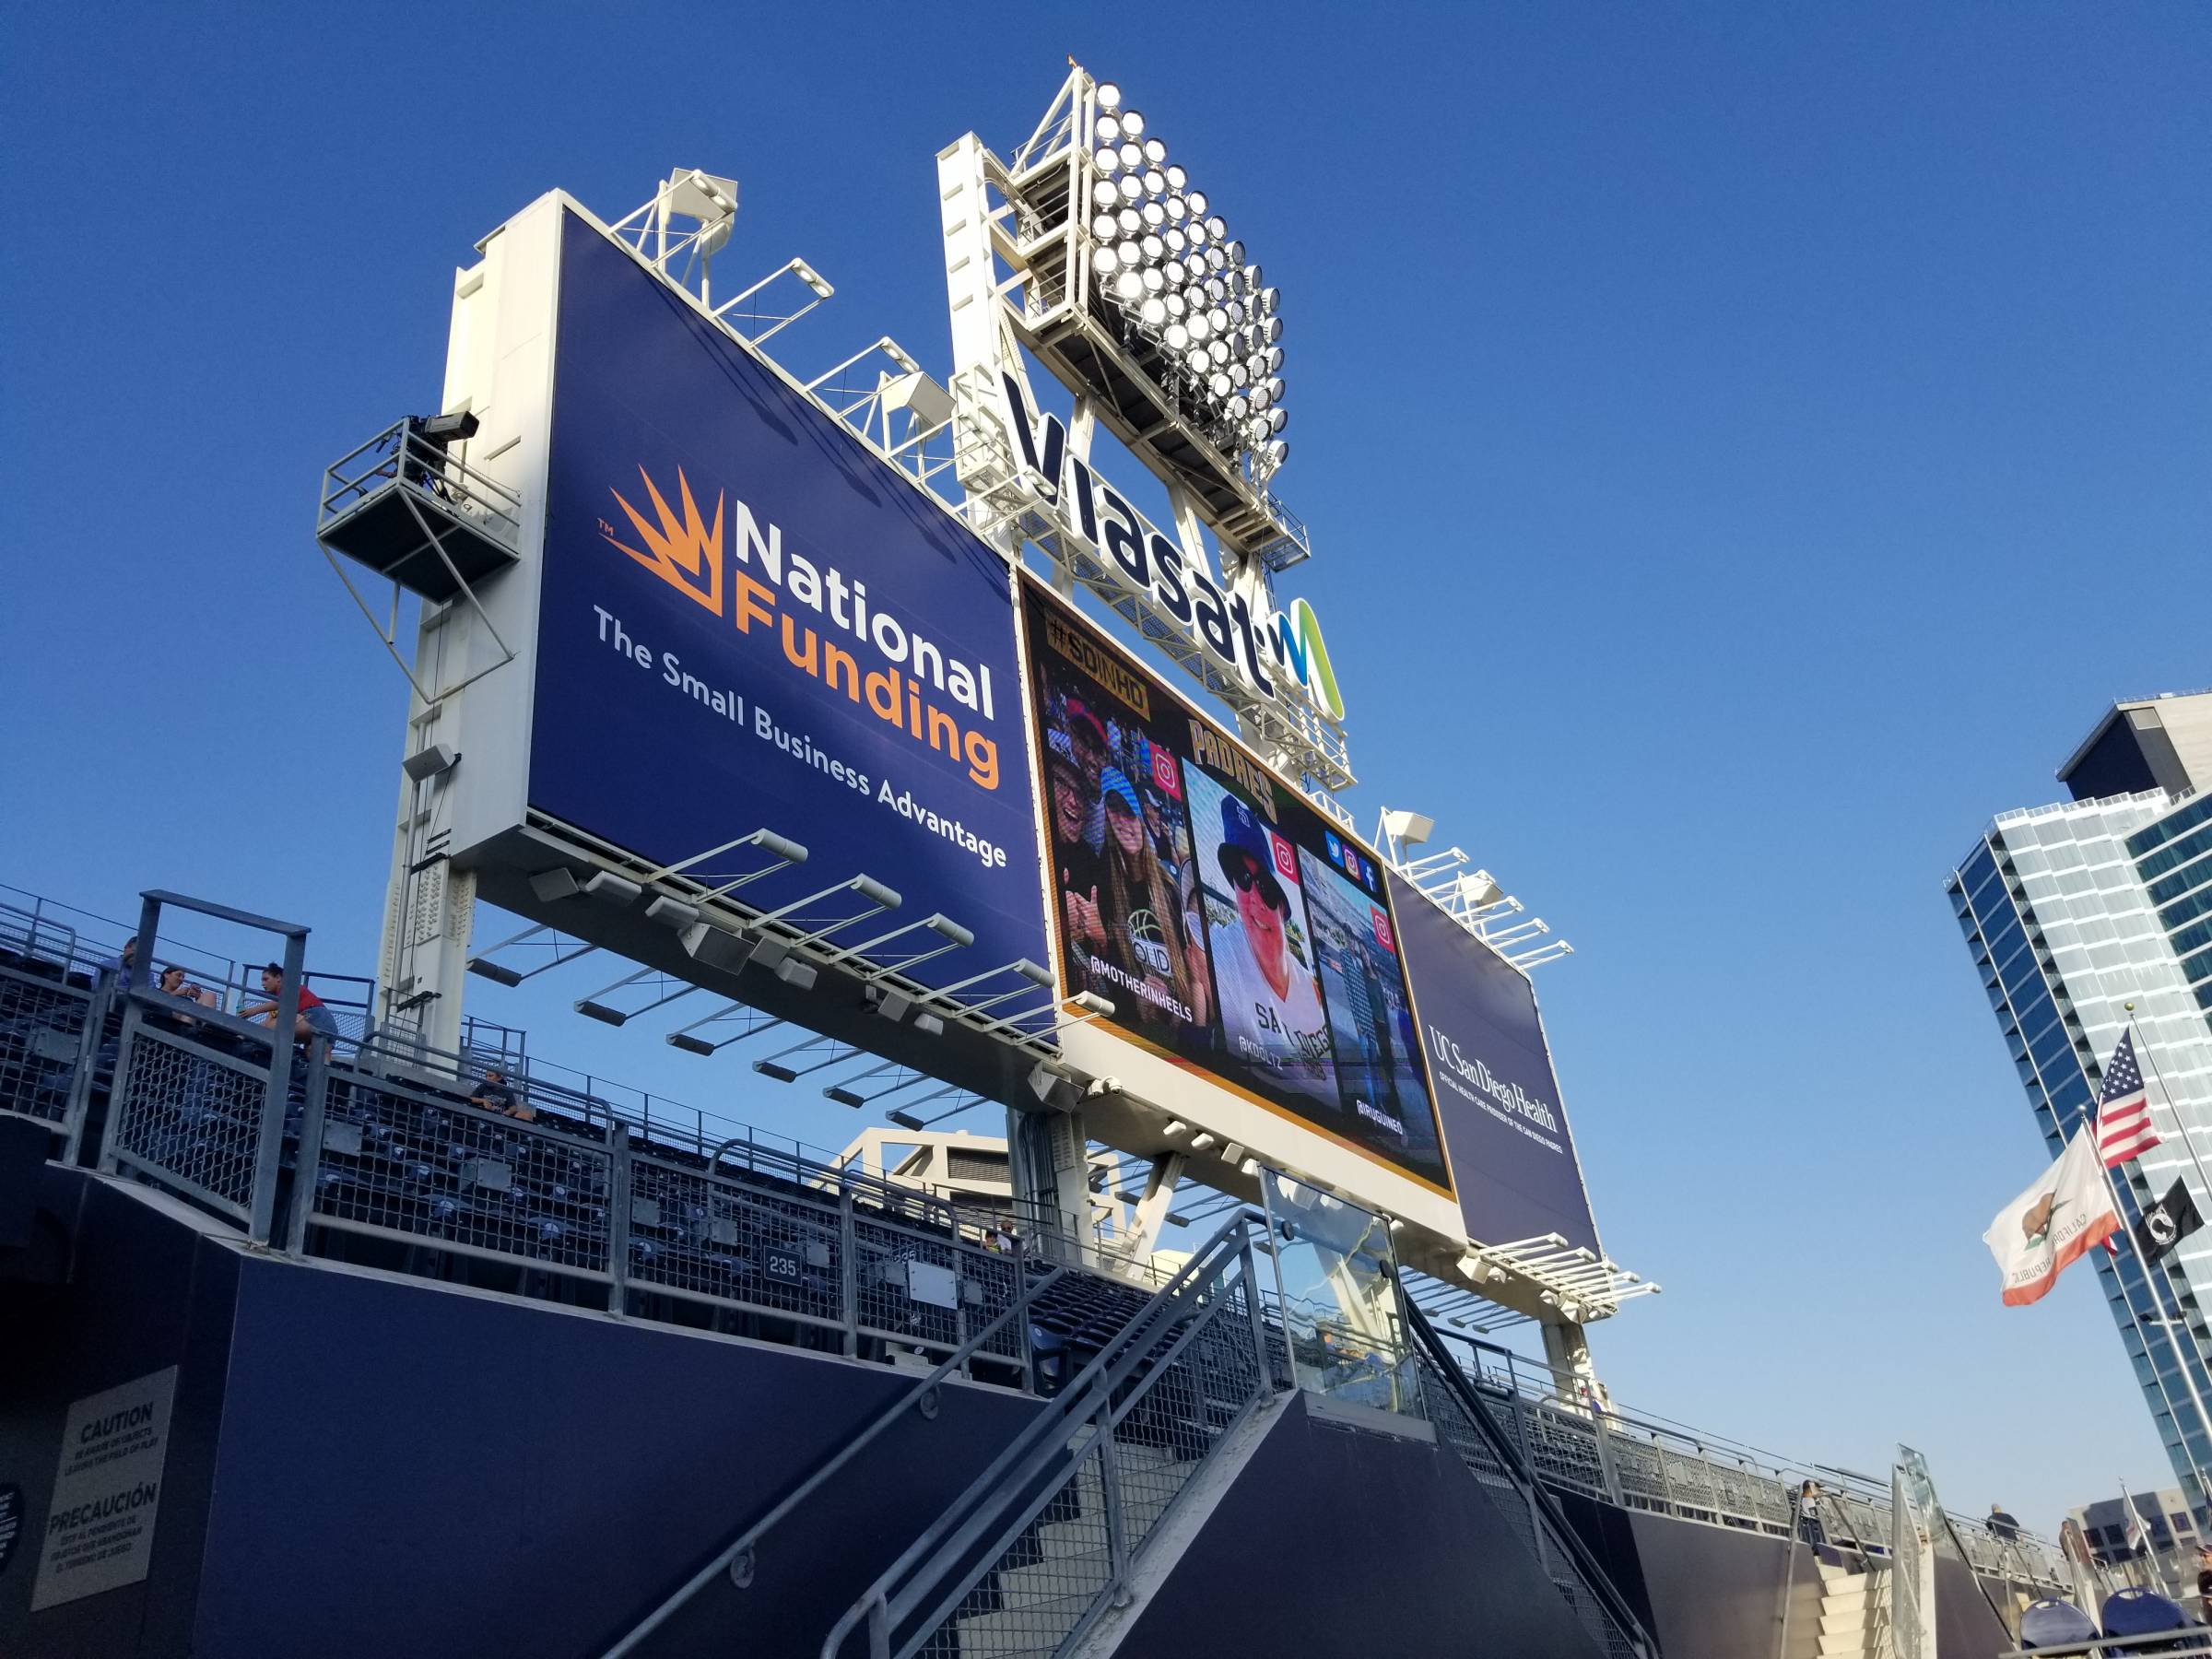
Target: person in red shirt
<point>314,1019</point>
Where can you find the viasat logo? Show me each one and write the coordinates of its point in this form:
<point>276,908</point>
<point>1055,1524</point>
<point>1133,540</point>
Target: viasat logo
<point>686,551</point>
<point>1302,649</point>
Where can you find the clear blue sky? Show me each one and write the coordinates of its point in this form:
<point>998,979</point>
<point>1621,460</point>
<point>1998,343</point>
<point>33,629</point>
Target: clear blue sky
<point>1746,447</point>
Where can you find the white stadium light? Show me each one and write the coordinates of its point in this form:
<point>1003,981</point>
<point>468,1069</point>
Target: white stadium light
<point>1187,298</point>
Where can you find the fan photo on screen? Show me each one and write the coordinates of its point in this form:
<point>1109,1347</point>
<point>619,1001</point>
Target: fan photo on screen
<point>1121,846</point>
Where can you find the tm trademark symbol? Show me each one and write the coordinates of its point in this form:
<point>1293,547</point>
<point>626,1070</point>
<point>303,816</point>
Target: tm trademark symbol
<point>606,528</point>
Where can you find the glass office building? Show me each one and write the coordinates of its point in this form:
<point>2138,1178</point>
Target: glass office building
<point>2073,912</point>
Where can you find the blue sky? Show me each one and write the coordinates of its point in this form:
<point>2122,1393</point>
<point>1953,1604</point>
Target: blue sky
<point>1745,447</point>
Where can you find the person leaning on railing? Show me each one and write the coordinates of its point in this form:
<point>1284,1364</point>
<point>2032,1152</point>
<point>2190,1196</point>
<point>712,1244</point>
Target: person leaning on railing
<point>314,1019</point>
<point>494,1093</point>
<point>1808,1513</point>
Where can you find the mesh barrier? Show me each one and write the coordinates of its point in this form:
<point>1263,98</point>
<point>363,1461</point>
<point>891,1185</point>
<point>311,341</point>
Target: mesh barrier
<point>1043,1585</point>
<point>1135,1459</point>
<point>923,1288</point>
<point>728,1241</point>
<point>398,1161</point>
<point>1534,1529</point>
<point>41,1034</point>
<point>191,1112</point>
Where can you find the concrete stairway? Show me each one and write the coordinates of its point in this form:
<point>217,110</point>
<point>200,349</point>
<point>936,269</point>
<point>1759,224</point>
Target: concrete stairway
<point>1854,1614</point>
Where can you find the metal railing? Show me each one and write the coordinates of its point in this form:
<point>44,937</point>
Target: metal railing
<point>401,454</point>
<point>307,1151</point>
<point>1043,1542</point>
<point>1496,1448</point>
<point>739,1558</point>
<point>1637,1462</point>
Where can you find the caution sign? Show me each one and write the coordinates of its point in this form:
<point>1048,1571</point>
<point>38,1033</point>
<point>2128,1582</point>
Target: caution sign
<point>100,1529</point>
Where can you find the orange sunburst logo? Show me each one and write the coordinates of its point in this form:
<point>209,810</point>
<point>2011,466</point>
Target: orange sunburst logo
<point>684,549</point>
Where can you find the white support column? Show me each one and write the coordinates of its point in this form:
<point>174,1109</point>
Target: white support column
<point>1151,1211</point>
<point>1050,1167</point>
<point>430,908</point>
<point>1567,1351</point>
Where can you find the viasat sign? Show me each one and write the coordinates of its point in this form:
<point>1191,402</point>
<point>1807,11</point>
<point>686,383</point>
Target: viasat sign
<point>747,620</point>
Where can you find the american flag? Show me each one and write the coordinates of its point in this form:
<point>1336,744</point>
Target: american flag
<point>2123,1128</point>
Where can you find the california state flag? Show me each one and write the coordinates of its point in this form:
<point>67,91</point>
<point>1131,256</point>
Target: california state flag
<point>2038,1234</point>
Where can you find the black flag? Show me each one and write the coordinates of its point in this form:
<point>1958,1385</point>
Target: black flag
<point>2166,1223</point>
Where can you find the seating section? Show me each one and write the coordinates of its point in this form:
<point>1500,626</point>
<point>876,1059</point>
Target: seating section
<point>43,1004</point>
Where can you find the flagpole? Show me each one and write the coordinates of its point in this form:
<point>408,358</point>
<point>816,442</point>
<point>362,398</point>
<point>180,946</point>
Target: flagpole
<point>2150,1278</point>
<point>2180,1123</point>
<point>2188,1336</point>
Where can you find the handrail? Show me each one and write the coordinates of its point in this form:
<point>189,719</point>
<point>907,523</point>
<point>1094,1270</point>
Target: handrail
<point>1524,1477</point>
<point>2184,1638</point>
<point>748,1542</point>
<point>958,1529</point>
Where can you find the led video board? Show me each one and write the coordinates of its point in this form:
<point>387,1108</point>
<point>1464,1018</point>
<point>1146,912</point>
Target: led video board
<point>1513,1153</point>
<point>747,619</point>
<point>1239,933</point>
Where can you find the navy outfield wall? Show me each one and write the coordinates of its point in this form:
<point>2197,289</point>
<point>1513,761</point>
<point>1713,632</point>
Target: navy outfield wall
<point>1336,1541</point>
<point>364,1465</point>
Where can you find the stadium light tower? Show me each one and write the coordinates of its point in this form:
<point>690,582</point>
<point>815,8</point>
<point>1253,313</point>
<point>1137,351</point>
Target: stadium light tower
<point>1092,250</point>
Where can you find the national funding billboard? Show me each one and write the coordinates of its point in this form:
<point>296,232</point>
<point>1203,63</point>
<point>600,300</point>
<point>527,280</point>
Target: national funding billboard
<point>747,620</point>
<point>1513,1155</point>
<point>1248,946</point>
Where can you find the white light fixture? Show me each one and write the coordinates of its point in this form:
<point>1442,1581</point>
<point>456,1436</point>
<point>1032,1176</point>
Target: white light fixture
<point>1177,178</point>
<point>1133,125</point>
<point>1155,152</point>
<point>1109,130</point>
<point>428,762</point>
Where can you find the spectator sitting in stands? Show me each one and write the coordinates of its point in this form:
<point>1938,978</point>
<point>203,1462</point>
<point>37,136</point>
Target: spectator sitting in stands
<point>1004,1240</point>
<point>314,1019</point>
<point>123,965</point>
<point>496,1094</point>
<point>174,984</point>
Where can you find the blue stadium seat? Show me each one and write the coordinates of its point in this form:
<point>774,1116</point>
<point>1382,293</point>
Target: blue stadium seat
<point>2142,1612</point>
<point>2050,1623</point>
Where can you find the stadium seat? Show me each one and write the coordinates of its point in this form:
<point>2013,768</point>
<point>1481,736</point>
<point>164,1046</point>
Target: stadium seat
<point>2142,1612</point>
<point>2053,1623</point>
